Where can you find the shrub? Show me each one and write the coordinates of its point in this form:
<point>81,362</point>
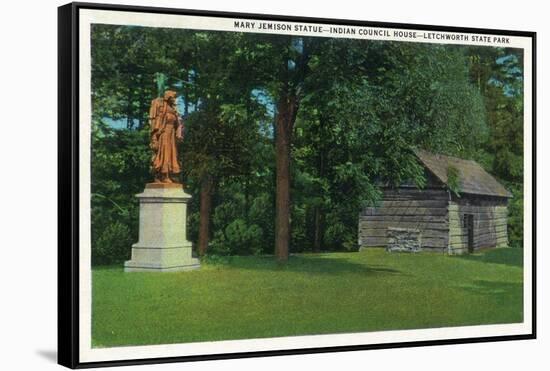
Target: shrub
<point>237,238</point>
<point>111,244</point>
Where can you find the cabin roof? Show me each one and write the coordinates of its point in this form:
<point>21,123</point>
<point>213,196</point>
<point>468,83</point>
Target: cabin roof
<point>473,179</point>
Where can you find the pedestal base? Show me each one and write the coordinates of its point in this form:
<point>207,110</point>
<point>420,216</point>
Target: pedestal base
<point>155,259</point>
<point>163,245</point>
<point>132,266</point>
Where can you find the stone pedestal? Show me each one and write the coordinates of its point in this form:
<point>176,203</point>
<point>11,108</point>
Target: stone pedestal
<point>162,245</point>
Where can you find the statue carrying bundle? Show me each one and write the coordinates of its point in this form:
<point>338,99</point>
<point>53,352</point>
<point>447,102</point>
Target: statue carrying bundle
<point>166,131</point>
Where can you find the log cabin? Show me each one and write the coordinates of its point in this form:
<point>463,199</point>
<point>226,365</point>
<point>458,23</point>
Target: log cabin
<point>461,209</point>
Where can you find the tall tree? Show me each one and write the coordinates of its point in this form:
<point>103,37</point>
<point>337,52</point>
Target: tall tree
<point>292,70</point>
<point>280,67</point>
<point>224,127</point>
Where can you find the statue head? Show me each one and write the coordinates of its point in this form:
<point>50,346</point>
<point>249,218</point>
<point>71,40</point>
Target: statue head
<point>170,97</point>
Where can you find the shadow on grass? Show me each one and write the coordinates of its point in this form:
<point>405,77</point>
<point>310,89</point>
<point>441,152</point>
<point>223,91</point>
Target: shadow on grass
<point>109,267</point>
<point>309,264</point>
<point>494,288</point>
<point>512,256</point>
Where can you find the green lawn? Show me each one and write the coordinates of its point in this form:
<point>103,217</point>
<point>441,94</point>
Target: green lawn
<point>253,297</point>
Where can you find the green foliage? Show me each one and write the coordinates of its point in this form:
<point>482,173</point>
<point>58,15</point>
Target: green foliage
<point>515,216</point>
<point>498,75</point>
<point>120,161</point>
<point>453,180</point>
<point>358,126</point>
<point>238,238</point>
<point>111,245</point>
<point>237,221</point>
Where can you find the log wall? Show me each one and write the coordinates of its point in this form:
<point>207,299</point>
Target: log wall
<point>439,217</point>
<point>425,210</point>
<point>490,223</point>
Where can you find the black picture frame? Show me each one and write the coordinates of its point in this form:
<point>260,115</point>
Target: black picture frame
<point>69,186</point>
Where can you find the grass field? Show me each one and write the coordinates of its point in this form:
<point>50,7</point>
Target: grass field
<point>253,297</point>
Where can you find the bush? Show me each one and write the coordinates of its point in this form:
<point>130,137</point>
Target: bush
<point>120,168</point>
<point>111,244</point>
<point>237,238</point>
<point>515,216</point>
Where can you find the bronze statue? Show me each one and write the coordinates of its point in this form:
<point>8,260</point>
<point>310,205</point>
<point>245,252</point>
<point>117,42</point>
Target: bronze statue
<point>166,131</point>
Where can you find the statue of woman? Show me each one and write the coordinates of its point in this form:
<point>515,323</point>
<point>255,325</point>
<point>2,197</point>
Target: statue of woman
<point>166,131</point>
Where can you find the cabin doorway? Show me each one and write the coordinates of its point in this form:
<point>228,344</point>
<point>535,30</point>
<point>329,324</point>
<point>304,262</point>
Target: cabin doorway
<point>469,227</point>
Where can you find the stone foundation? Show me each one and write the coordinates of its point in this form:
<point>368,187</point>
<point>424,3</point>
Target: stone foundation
<point>403,240</point>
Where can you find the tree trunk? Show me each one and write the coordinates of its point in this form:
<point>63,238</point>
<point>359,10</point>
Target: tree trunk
<point>129,115</point>
<point>207,185</point>
<point>186,102</point>
<point>317,234</point>
<point>287,108</point>
<point>247,199</point>
<point>318,212</point>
